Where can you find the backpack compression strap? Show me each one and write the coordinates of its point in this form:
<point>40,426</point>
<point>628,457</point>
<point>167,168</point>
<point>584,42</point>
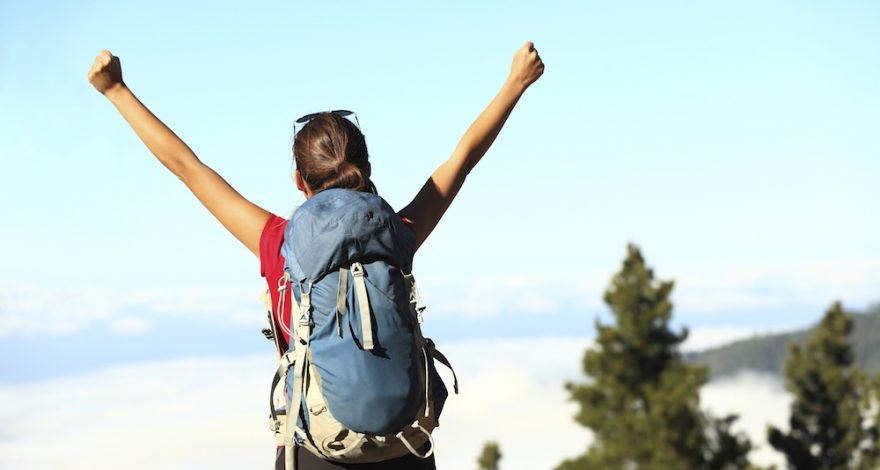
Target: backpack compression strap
<point>341,296</point>
<point>439,357</point>
<point>360,286</point>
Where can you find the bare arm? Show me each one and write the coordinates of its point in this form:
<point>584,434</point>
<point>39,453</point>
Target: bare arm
<point>437,194</point>
<point>241,217</point>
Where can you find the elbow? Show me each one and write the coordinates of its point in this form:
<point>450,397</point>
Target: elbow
<point>183,166</point>
<point>465,159</point>
<point>183,170</point>
<point>190,172</point>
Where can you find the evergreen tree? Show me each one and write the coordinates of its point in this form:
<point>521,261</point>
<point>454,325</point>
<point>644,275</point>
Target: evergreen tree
<point>825,427</point>
<point>875,429</point>
<point>490,457</point>
<point>725,449</point>
<point>642,400</point>
<point>871,408</point>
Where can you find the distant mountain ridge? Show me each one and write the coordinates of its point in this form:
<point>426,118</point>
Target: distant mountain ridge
<point>768,353</point>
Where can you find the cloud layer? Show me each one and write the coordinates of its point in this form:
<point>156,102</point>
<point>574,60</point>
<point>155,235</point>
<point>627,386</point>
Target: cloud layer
<point>187,413</point>
<point>28,311</point>
<point>772,296</point>
<point>209,412</point>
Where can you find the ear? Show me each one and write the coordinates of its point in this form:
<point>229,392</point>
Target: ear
<point>301,184</point>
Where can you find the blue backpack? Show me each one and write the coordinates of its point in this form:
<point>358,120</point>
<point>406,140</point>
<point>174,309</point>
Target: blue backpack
<point>360,380</point>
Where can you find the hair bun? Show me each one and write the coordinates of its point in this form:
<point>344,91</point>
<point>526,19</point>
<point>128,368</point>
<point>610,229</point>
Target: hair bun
<point>347,175</point>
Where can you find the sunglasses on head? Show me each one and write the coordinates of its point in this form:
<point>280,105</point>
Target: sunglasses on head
<point>339,112</point>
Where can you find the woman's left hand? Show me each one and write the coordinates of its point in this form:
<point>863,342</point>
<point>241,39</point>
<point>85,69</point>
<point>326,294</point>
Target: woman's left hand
<point>527,65</point>
<point>106,72</point>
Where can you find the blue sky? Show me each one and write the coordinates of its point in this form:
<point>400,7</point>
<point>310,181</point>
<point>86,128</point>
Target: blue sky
<point>736,143</point>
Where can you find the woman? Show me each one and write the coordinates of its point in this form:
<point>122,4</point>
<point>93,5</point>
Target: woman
<point>330,152</point>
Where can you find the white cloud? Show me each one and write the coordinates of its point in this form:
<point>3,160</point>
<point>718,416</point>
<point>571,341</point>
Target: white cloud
<point>749,287</point>
<point>759,400</point>
<point>187,413</point>
<point>512,392</point>
<point>532,422</point>
<point>499,293</point>
<point>548,360</point>
<point>27,311</point>
<point>700,289</point>
<point>131,326</point>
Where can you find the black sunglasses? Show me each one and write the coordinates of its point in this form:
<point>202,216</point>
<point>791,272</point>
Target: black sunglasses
<point>339,112</point>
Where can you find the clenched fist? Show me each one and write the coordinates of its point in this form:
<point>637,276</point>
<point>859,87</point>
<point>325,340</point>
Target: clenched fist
<point>106,72</point>
<point>527,65</point>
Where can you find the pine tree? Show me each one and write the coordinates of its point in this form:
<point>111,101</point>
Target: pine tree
<point>641,399</point>
<point>490,456</point>
<point>871,409</point>
<point>826,426</point>
<point>875,428</point>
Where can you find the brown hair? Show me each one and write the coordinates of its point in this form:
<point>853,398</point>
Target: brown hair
<point>331,152</point>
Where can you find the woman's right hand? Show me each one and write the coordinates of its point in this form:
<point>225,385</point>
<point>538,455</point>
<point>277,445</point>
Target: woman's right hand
<point>527,66</point>
<point>106,72</point>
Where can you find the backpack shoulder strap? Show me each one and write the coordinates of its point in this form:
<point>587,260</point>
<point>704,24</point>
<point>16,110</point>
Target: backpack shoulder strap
<point>300,343</point>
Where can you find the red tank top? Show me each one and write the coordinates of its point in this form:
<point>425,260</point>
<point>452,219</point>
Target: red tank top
<point>272,269</point>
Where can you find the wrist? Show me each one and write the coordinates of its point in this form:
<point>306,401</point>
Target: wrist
<point>514,85</point>
<point>116,90</point>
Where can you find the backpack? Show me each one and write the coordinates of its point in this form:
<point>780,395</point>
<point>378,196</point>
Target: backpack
<point>359,377</point>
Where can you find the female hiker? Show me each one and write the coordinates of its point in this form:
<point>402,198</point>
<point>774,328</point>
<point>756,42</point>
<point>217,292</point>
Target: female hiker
<point>331,157</point>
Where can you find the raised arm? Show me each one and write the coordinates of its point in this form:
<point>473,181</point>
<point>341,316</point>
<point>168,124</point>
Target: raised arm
<point>241,217</point>
<point>434,198</point>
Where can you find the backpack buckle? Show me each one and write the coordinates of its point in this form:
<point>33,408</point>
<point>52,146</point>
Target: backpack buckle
<point>357,269</point>
<point>414,298</point>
